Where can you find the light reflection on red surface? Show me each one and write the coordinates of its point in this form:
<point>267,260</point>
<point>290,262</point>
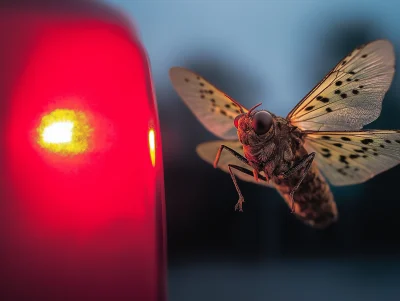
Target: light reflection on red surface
<point>88,225</point>
<point>69,70</point>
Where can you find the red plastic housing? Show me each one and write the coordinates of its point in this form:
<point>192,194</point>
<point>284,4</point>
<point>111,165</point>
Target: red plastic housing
<point>87,225</point>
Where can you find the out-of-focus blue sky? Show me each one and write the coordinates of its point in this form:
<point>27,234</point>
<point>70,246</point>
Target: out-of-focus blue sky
<point>277,40</point>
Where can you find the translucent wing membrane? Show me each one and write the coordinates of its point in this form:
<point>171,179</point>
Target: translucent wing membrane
<point>208,150</point>
<point>215,110</point>
<point>348,158</point>
<point>350,96</point>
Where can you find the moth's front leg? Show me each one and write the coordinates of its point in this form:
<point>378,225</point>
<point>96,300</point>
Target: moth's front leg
<point>239,204</point>
<point>255,173</point>
<point>233,152</point>
<point>304,164</point>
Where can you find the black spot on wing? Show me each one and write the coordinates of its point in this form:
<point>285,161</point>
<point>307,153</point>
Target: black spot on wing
<point>323,99</point>
<point>343,159</point>
<point>367,141</point>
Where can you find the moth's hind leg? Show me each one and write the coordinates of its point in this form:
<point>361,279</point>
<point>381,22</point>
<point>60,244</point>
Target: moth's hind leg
<point>303,165</point>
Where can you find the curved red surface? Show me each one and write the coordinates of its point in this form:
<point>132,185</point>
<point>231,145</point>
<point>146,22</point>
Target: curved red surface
<point>89,226</point>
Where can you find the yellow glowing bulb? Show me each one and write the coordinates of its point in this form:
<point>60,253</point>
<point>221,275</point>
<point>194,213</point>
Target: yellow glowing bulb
<point>58,132</point>
<point>64,131</point>
<point>152,146</point>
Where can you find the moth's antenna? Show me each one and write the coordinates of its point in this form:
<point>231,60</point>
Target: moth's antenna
<point>251,110</point>
<point>236,103</point>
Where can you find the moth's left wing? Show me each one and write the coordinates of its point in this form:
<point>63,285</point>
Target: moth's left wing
<point>208,150</point>
<point>347,158</point>
<point>212,107</point>
<point>350,96</point>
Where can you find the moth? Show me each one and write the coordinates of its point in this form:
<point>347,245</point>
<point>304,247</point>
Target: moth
<point>320,139</point>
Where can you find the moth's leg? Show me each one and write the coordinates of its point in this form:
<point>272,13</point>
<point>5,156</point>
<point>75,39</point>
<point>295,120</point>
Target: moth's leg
<point>233,152</point>
<point>237,155</point>
<point>255,175</point>
<point>304,163</point>
<point>242,169</point>
<point>246,171</point>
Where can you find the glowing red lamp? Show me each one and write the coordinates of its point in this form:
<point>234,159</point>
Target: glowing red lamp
<point>82,214</point>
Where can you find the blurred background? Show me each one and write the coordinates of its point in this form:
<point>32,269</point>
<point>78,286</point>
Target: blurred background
<point>274,52</point>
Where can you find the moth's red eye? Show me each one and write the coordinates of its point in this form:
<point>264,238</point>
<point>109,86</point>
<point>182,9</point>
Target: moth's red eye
<point>236,121</point>
<point>262,122</point>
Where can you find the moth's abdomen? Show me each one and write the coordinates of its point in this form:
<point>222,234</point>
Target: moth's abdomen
<point>313,200</point>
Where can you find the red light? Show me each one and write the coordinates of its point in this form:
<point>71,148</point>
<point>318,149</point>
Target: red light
<point>89,72</point>
<point>84,169</point>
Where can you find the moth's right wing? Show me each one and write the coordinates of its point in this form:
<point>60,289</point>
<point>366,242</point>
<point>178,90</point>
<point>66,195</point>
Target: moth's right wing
<point>208,150</point>
<point>213,108</point>
<point>350,96</point>
<point>348,158</point>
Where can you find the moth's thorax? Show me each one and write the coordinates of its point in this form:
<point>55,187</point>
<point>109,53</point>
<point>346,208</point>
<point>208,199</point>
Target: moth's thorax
<point>272,152</point>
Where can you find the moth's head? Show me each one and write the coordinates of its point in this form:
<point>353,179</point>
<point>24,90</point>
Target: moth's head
<point>254,126</point>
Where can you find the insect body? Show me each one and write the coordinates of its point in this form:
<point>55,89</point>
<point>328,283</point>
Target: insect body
<point>322,133</point>
<point>275,147</point>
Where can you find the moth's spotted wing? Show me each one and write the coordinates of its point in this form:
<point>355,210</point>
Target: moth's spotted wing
<point>208,150</point>
<point>350,96</point>
<point>213,108</point>
<point>348,158</point>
